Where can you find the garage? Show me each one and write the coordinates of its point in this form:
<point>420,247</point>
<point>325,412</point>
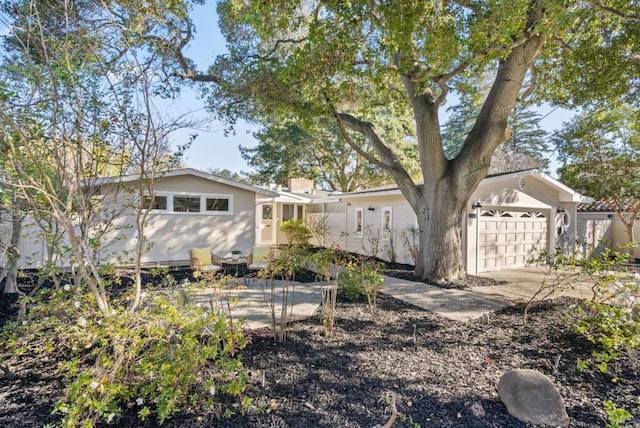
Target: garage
<point>510,238</point>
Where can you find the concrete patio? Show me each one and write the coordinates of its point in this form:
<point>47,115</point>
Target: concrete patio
<point>516,286</point>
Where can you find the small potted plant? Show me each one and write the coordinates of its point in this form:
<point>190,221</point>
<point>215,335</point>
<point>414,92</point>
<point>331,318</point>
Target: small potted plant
<point>235,255</point>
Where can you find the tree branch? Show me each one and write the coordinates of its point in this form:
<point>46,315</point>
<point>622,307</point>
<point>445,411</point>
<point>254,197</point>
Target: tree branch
<point>615,11</point>
<point>532,85</point>
<point>388,161</point>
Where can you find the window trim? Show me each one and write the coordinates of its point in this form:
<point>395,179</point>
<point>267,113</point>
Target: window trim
<point>359,211</point>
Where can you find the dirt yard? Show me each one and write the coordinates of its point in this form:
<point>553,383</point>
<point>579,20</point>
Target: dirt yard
<point>346,380</point>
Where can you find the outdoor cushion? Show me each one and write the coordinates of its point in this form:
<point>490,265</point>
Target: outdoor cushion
<point>202,254</point>
<point>259,265</point>
<point>261,255</point>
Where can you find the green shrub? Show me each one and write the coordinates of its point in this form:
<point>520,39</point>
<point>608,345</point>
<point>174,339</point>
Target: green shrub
<point>296,232</point>
<point>156,361</point>
<point>616,416</point>
<point>611,317</point>
<point>362,279</point>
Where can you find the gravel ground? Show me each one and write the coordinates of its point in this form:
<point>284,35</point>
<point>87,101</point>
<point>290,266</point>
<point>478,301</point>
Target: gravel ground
<point>440,371</point>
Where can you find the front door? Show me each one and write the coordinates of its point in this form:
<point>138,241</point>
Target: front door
<point>266,229</point>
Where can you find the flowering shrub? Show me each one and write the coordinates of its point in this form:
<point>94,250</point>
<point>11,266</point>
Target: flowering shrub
<point>165,356</point>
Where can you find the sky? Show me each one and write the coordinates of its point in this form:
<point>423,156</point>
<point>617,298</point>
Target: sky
<point>212,149</point>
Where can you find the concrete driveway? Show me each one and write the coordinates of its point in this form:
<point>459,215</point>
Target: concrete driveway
<point>522,283</point>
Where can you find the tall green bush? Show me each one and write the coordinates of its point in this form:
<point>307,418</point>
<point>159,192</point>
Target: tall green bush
<point>296,232</point>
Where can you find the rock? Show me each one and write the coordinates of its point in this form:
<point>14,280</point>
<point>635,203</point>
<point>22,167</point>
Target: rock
<point>532,397</point>
<point>476,410</point>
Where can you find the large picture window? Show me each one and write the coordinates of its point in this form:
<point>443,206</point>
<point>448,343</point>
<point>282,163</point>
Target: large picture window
<point>358,226</point>
<point>288,212</point>
<point>292,212</point>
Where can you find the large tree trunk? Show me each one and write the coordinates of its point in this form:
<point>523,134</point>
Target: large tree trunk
<point>440,238</point>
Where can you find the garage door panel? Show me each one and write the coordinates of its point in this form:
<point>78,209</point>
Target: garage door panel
<point>510,238</point>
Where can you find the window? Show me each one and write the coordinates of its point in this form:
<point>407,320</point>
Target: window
<point>186,204</point>
<point>217,204</point>
<point>190,203</point>
<point>300,212</point>
<point>159,202</point>
<point>288,212</point>
<point>387,222</point>
<point>267,212</point>
<point>359,223</point>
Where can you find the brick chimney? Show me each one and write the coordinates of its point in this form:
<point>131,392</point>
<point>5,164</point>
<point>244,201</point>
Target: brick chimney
<point>301,185</point>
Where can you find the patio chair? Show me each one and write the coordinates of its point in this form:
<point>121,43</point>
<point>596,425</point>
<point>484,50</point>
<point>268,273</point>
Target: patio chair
<point>258,259</point>
<point>203,259</point>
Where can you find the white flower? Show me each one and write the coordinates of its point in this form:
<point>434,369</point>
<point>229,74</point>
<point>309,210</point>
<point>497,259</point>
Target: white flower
<point>139,401</point>
<point>67,287</point>
<point>24,322</point>
<point>82,322</point>
<point>76,304</point>
<point>110,417</point>
<point>93,384</point>
<point>212,390</point>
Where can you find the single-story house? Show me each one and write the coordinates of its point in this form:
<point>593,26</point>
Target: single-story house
<point>511,217</point>
<point>191,209</point>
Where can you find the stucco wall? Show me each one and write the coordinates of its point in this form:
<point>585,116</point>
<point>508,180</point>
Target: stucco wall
<point>607,227</point>
<point>170,235</point>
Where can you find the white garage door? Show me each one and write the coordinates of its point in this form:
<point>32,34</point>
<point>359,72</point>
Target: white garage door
<point>510,239</point>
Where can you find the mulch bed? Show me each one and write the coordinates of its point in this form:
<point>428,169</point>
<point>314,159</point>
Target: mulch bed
<point>342,380</point>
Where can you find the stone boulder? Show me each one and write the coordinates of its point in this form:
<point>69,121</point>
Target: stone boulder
<point>532,397</point>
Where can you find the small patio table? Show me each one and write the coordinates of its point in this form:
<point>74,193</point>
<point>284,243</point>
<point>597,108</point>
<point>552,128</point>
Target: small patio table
<point>228,262</point>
